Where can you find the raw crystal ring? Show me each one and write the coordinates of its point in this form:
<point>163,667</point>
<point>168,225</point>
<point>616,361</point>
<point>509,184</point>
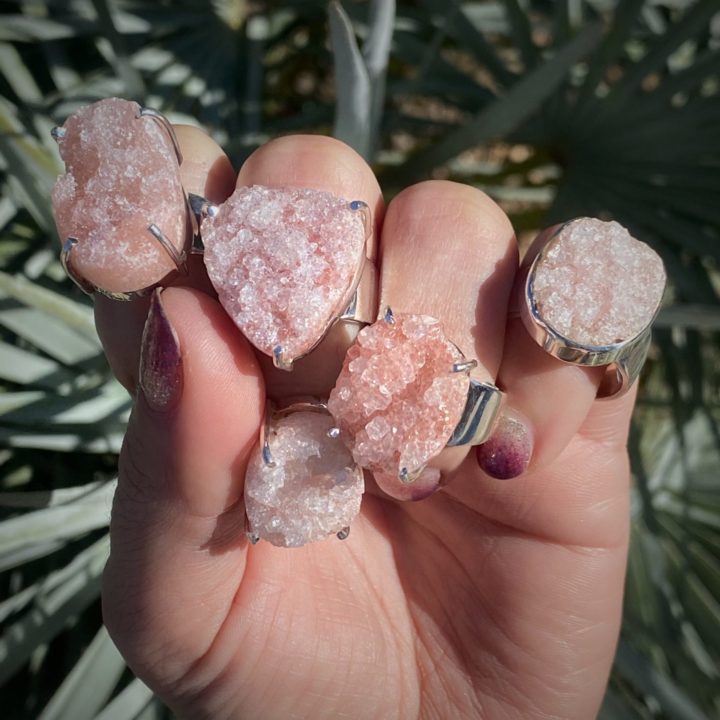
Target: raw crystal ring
<point>590,298</point>
<point>287,263</point>
<point>120,206</point>
<point>301,484</point>
<point>405,393</point>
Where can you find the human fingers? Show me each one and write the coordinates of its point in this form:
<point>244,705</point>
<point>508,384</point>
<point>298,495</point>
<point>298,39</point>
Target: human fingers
<point>206,171</point>
<point>449,252</point>
<point>321,163</point>
<point>177,521</point>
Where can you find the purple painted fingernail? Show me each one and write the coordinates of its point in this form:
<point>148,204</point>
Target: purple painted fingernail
<point>507,453</point>
<point>161,375</point>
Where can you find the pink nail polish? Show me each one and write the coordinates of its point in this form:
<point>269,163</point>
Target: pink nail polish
<point>161,375</point>
<point>507,453</point>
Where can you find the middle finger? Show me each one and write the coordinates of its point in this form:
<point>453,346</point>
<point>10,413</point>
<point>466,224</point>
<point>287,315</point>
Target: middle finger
<point>321,163</point>
<point>448,251</point>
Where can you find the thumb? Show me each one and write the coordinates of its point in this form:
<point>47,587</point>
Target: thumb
<point>177,541</point>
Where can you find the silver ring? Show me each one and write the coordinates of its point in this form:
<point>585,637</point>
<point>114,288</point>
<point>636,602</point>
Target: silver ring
<point>268,329</point>
<point>301,484</point>
<point>622,359</point>
<point>406,392</point>
<point>155,233</point>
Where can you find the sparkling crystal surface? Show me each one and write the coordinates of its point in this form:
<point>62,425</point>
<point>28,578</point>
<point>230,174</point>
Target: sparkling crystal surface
<point>313,491</point>
<point>396,400</point>
<point>596,284</point>
<point>283,261</point>
<point>121,175</point>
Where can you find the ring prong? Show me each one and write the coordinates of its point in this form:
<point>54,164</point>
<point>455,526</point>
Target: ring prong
<point>202,207</point>
<point>279,360</point>
<point>84,285</point>
<point>334,433</point>
<point>168,247</point>
<point>166,125</point>
<point>464,367</point>
<point>267,456</point>
<point>362,207</point>
<point>388,317</point>
<point>58,132</point>
<point>344,533</point>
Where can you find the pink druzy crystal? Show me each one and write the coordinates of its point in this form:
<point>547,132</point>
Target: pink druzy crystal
<point>397,400</point>
<point>314,488</point>
<point>595,284</point>
<point>122,174</point>
<point>283,262</point>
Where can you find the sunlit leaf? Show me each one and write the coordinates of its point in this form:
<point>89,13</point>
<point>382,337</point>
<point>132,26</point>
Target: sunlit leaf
<point>50,612</point>
<point>353,122</point>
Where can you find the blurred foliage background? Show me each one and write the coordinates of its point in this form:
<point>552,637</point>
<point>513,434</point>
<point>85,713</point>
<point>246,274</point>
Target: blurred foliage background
<point>556,109</point>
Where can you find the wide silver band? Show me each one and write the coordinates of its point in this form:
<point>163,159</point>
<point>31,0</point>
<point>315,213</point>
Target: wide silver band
<point>479,416</point>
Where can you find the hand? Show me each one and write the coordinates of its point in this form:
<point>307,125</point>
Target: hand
<point>491,599</point>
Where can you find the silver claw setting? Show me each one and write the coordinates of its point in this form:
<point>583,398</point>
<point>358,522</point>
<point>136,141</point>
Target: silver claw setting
<point>65,261</point>
<point>166,125</point>
<point>179,258</point>
<point>279,359</point>
<point>89,288</point>
<point>273,412</point>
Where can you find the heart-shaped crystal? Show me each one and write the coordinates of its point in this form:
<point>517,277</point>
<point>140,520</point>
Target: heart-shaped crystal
<point>284,262</point>
<point>122,177</point>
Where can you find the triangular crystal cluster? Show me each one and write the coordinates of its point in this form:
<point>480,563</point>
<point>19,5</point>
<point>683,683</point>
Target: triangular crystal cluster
<point>284,262</point>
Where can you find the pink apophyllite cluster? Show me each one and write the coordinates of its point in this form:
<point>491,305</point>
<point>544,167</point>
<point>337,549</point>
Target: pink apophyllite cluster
<point>121,175</point>
<point>312,488</point>
<point>596,285</point>
<point>397,400</point>
<point>283,262</point>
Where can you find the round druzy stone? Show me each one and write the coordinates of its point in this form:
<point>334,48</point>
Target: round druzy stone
<point>597,285</point>
<point>313,490</point>
<point>121,175</point>
<point>283,262</point>
<point>397,400</point>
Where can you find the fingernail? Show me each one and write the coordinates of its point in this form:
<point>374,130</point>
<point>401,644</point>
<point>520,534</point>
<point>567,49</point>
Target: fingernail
<point>161,375</point>
<point>508,451</point>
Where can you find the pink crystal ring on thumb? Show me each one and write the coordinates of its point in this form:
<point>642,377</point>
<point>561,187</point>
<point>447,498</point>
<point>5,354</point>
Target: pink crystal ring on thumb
<point>406,392</point>
<point>590,298</point>
<point>301,484</point>
<point>120,207</point>
<point>287,263</point>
